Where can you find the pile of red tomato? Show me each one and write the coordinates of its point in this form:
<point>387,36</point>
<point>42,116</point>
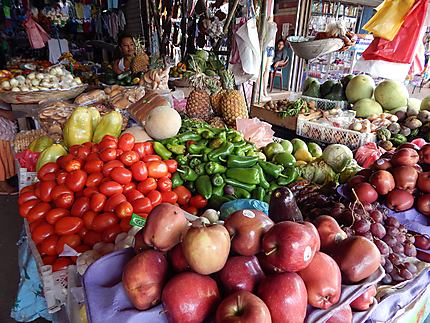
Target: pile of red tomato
<point>89,195</point>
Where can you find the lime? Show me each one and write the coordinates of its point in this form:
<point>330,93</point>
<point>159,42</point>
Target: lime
<point>272,149</point>
<point>288,146</point>
<point>284,159</point>
<point>314,149</point>
<point>298,144</point>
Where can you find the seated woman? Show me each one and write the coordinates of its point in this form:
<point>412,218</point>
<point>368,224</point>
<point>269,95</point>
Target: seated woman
<point>281,55</point>
<point>127,47</point>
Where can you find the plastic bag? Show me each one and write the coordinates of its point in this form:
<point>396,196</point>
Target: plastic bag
<point>258,132</point>
<point>369,153</point>
<point>403,47</point>
<point>387,22</point>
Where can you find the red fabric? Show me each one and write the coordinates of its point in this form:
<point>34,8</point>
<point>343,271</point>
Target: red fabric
<point>35,33</point>
<point>403,47</point>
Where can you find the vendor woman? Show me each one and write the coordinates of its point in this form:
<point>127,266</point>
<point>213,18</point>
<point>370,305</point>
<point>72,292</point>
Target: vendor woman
<point>126,46</point>
<point>7,165</point>
<point>281,55</point>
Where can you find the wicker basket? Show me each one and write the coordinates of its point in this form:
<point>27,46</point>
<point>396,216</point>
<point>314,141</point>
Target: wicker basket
<point>324,104</point>
<point>307,48</point>
<point>34,97</point>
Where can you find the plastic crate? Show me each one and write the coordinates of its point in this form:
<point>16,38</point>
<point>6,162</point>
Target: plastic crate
<point>54,283</point>
<point>25,177</point>
<point>324,104</point>
<point>332,135</point>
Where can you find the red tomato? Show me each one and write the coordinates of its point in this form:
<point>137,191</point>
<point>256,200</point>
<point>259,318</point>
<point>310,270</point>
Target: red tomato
<point>58,190</point>
<point>60,176</point>
<point>113,202</point>
<point>26,196</point>
<point>65,200</point>
<point>93,155</point>
<point>68,225</point>
<point>125,224</point>
<point>110,188</point>
<point>147,186</point>
<point>169,197</point>
<point>150,158</point>
<point>121,175</point>
<point>76,180</point>
<point>45,189</point>
<point>72,240</point>
<point>88,144</point>
<point>90,191</point>
<point>139,148</point>
<point>54,215</point>
<point>139,171</point>
<point>198,201</point>
<point>93,166</point>
<point>61,264</point>
<point>155,197</point>
<point>49,260</point>
<point>38,211</point>
<point>148,148</point>
<point>82,248</point>
<point>124,209</point>
<point>83,151</point>
<point>169,175</point>
<point>47,171</point>
<point>191,209</point>
<point>119,152</point>
<point>126,142</point>
<point>103,221</point>
<point>94,180</point>
<point>49,246</point>
<point>83,231</point>
<point>72,165</point>
<point>42,232</point>
<point>26,207</point>
<point>133,195</point>
<point>128,187</point>
<point>107,144</point>
<point>142,205</point>
<point>28,188</point>
<point>80,206</point>
<point>157,169</point>
<point>108,154</point>
<point>110,233</point>
<point>92,237</point>
<point>164,184</point>
<point>108,167</point>
<point>88,218</point>
<point>97,202</point>
<point>129,158</point>
<point>172,165</point>
<point>73,150</point>
<point>63,160</point>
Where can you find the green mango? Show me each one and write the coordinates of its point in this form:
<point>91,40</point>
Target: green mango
<point>40,144</point>
<point>298,144</point>
<point>110,124</point>
<point>50,155</point>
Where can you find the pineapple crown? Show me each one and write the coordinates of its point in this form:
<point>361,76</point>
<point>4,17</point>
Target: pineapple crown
<point>138,44</point>
<point>227,80</point>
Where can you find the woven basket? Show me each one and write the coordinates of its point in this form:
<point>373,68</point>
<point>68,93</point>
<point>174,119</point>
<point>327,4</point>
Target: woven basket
<point>34,97</point>
<point>307,48</point>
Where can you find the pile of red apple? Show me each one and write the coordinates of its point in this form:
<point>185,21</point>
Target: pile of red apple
<point>248,269</point>
<point>401,180</point>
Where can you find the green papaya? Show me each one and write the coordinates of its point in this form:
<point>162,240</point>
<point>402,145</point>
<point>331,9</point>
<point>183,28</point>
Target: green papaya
<point>95,117</point>
<point>50,155</point>
<point>110,124</point>
<point>78,128</point>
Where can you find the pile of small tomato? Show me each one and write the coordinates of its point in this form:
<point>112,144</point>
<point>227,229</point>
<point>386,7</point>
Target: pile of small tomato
<point>89,195</point>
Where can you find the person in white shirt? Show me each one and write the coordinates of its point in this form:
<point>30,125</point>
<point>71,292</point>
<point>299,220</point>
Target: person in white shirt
<point>127,47</point>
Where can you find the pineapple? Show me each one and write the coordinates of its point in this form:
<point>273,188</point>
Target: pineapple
<point>232,103</point>
<point>141,60</point>
<point>215,101</point>
<point>198,102</point>
<point>217,122</point>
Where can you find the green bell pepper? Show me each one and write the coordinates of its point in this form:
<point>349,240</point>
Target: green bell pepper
<point>215,168</point>
<point>263,181</point>
<point>217,180</point>
<point>215,202</point>
<point>244,175</point>
<point>187,174</point>
<point>197,148</point>
<point>290,173</point>
<point>177,149</point>
<point>234,136</point>
<point>207,134</point>
<point>78,128</point>
<point>200,169</point>
<point>273,186</point>
<point>236,183</point>
<point>241,193</point>
<point>194,162</point>
<point>218,190</point>
<point>258,194</point>
<point>110,124</point>
<point>161,151</point>
<point>182,160</point>
<point>50,155</point>
<point>267,197</point>
<point>176,180</point>
<point>271,169</point>
<point>191,186</point>
<point>222,151</point>
<point>243,162</point>
<point>204,186</point>
<point>189,136</point>
<point>216,143</point>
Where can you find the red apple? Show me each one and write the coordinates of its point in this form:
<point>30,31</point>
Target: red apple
<point>424,154</point>
<point>342,315</point>
<point>365,172</point>
<point>410,145</point>
<point>242,307</point>
<point>422,241</point>
<point>323,281</point>
<point>246,227</point>
<point>177,259</point>
<point>399,200</point>
<point>423,182</point>
<point>423,204</point>
<point>365,300</point>
<point>382,181</point>
<point>268,268</point>
<point>405,157</point>
<point>405,177</point>
<point>357,258</point>
<point>241,273</point>
<point>190,298</point>
<point>206,248</point>
<point>286,297</point>
<point>355,180</point>
<point>290,246</point>
<point>143,278</point>
<point>329,231</point>
<point>165,227</point>
<point>382,164</point>
<point>365,193</point>
<point>315,231</point>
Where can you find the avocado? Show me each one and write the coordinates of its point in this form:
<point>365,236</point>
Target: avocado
<point>326,88</point>
<point>336,93</point>
<point>313,89</point>
<point>345,80</point>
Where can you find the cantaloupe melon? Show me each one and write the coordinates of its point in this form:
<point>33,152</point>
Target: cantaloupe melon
<point>162,123</point>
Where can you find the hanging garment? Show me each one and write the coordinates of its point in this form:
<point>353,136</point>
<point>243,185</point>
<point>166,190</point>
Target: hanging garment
<point>122,20</point>
<point>56,48</point>
<point>249,48</point>
<point>36,35</point>
<point>235,56</point>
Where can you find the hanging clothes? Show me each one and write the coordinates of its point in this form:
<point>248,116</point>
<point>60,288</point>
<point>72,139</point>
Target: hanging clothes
<point>36,35</point>
<point>235,56</point>
<point>56,48</point>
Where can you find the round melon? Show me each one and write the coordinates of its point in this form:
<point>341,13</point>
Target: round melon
<point>391,94</point>
<point>162,123</point>
<point>360,87</point>
<point>414,103</point>
<point>425,104</point>
<point>367,107</point>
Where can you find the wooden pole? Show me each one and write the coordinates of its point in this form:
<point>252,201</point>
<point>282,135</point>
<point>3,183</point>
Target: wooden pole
<point>228,20</point>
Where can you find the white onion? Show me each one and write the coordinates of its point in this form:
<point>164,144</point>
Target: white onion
<point>13,82</point>
<point>5,85</point>
<point>35,82</point>
<point>15,89</point>
<point>40,76</point>
<point>24,88</point>
<point>31,76</point>
<point>20,79</point>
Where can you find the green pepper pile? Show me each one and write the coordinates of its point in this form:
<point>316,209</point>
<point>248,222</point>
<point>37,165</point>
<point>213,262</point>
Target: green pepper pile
<point>220,165</point>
